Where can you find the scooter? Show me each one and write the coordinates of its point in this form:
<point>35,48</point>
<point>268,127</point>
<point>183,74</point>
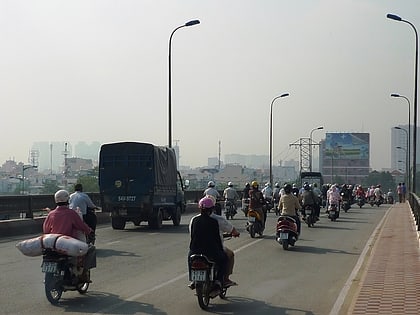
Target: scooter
<point>333,212</point>
<point>230,209</point>
<point>62,274</point>
<point>286,231</point>
<point>203,277</point>
<point>245,206</point>
<point>255,223</point>
<point>360,201</point>
<point>308,214</point>
<point>345,203</point>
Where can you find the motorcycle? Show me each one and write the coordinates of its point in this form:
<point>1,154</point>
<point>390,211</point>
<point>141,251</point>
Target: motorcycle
<point>203,274</point>
<point>333,212</point>
<point>345,203</point>
<point>230,209</point>
<point>276,206</point>
<point>360,201</point>
<point>245,206</point>
<point>255,223</point>
<point>390,199</point>
<point>268,204</point>
<point>62,274</point>
<point>309,218</point>
<point>286,231</point>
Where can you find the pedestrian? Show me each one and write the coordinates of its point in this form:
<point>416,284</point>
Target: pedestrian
<point>400,193</point>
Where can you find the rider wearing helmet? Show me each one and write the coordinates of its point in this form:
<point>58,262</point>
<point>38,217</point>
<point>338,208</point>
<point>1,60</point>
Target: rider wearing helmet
<point>308,199</point>
<point>212,191</point>
<point>205,237</point>
<point>289,205</point>
<point>256,201</point>
<point>231,195</point>
<point>63,220</point>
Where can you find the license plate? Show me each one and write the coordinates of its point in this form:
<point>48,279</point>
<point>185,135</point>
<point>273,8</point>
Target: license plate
<point>198,275</point>
<point>251,219</point>
<point>123,211</point>
<point>49,266</point>
<point>284,236</point>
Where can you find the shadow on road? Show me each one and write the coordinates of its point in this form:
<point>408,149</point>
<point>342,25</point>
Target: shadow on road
<point>96,302</point>
<point>244,306</point>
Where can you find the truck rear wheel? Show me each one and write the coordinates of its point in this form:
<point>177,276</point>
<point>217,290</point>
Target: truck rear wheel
<point>118,223</point>
<point>156,221</point>
<point>176,217</point>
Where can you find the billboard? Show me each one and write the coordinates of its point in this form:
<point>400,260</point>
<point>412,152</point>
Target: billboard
<point>347,146</point>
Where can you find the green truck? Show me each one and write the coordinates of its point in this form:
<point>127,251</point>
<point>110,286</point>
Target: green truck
<point>140,182</point>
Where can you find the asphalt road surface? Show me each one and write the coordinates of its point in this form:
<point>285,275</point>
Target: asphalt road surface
<point>144,271</point>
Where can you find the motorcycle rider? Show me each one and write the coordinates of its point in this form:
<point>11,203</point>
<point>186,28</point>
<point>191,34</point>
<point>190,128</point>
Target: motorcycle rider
<point>333,197</point>
<point>318,195</point>
<point>289,205</point>
<point>308,199</point>
<point>212,191</point>
<point>205,238</point>
<point>81,200</point>
<point>256,201</point>
<point>378,194</point>
<point>295,190</point>
<point>226,227</point>
<point>267,192</point>
<point>63,220</point>
<point>231,195</point>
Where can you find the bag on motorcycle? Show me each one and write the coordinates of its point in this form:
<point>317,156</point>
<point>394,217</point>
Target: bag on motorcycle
<point>90,258</point>
<point>61,243</point>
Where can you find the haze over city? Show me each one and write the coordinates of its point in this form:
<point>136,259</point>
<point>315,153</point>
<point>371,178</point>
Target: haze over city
<point>98,71</point>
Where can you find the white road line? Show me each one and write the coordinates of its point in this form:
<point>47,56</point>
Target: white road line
<point>179,277</point>
<point>345,290</point>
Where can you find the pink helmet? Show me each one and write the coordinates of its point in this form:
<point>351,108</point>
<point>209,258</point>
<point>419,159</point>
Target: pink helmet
<point>206,203</point>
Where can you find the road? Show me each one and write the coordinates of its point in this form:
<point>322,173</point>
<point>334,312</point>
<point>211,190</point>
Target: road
<point>142,271</point>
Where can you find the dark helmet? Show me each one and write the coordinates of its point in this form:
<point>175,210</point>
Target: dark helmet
<point>306,186</point>
<point>247,185</point>
<point>287,188</point>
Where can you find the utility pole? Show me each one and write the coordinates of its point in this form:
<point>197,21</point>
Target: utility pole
<point>305,157</point>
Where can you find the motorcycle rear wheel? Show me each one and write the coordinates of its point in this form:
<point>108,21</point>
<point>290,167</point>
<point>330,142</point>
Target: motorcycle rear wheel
<point>83,287</point>
<point>285,244</point>
<point>252,231</point>
<point>203,294</point>
<point>53,289</point>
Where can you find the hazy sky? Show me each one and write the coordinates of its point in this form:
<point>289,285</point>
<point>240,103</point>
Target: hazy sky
<point>82,70</point>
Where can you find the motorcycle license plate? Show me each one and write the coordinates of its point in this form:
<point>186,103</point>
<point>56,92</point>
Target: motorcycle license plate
<point>198,275</point>
<point>284,236</point>
<point>49,266</point>
<point>251,219</point>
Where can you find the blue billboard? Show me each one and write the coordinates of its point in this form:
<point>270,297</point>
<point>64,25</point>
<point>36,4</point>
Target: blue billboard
<point>351,146</point>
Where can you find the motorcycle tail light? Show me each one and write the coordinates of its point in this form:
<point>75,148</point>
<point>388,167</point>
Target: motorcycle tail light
<point>198,264</point>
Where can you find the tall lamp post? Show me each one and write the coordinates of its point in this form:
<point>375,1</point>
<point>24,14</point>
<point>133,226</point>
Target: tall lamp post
<point>409,136</point>
<point>271,135</point>
<point>310,147</point>
<point>399,19</point>
<point>405,151</point>
<point>24,168</point>
<point>190,23</point>
<point>407,157</point>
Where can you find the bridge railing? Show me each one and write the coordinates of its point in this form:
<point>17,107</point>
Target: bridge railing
<point>414,201</point>
<point>30,206</point>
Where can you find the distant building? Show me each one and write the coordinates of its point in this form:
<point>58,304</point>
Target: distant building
<point>345,157</point>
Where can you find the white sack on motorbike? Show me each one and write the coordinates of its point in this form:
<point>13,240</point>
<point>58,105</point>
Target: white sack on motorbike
<point>60,243</point>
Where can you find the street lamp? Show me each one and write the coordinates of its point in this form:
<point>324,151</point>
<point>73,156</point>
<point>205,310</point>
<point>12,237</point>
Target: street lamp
<point>190,23</point>
<point>409,136</point>
<point>405,150</point>
<point>24,168</point>
<point>310,147</point>
<point>407,157</point>
<point>271,135</point>
<point>399,19</point>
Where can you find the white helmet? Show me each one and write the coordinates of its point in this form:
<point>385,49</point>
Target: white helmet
<point>61,196</point>
<point>230,184</point>
<point>210,184</point>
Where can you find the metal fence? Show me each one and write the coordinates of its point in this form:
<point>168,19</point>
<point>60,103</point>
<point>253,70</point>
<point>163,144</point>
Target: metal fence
<point>415,208</point>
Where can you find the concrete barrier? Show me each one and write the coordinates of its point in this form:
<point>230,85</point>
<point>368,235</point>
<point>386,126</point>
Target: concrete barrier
<point>34,226</point>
